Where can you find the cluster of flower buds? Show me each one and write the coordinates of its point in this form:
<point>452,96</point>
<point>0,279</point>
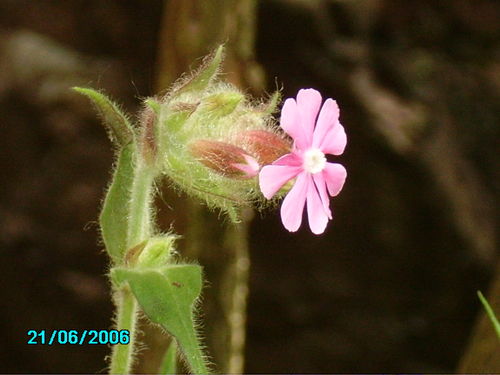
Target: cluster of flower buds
<point>210,139</point>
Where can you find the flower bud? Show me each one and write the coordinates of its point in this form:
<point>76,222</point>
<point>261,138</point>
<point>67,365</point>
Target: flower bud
<point>266,146</point>
<point>224,158</point>
<point>153,252</point>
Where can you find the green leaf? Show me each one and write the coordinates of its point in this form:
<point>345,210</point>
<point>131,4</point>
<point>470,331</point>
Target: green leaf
<point>169,362</point>
<point>119,128</point>
<point>167,296</point>
<point>490,313</point>
<point>204,75</point>
<point>115,210</point>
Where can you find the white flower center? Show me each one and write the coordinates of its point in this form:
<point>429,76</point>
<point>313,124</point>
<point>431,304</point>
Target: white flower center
<point>314,160</point>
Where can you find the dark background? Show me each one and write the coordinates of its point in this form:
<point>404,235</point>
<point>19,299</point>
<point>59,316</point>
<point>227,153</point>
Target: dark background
<point>391,285</point>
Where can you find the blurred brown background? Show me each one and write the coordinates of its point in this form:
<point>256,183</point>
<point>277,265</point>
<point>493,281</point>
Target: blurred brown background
<point>390,287</point>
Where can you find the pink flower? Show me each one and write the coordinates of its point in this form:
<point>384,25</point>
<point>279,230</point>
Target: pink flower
<point>314,136</point>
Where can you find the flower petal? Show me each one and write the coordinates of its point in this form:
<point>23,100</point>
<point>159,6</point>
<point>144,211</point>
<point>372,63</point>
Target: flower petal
<point>273,177</point>
<point>334,175</point>
<point>319,181</point>
<point>334,141</point>
<point>308,104</point>
<point>315,210</point>
<point>328,118</point>
<point>293,204</point>
<point>291,159</point>
<point>250,168</point>
<point>290,122</point>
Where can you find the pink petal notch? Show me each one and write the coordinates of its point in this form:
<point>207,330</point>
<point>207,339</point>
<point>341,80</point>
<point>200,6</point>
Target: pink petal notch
<point>328,119</point>
<point>335,141</point>
<point>289,122</point>
<point>334,175</point>
<point>316,131</point>
<point>308,104</point>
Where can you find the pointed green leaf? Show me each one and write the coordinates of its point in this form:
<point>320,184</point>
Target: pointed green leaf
<point>205,74</point>
<point>169,362</point>
<point>116,122</point>
<point>114,214</point>
<point>167,295</point>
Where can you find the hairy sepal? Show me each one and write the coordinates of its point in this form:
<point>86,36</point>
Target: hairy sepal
<point>204,76</point>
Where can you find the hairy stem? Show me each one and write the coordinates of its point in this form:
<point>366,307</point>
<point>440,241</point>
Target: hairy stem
<point>139,229</point>
<point>140,223</point>
<point>126,318</point>
<point>194,354</point>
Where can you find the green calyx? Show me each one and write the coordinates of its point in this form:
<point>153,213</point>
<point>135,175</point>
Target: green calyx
<point>203,108</point>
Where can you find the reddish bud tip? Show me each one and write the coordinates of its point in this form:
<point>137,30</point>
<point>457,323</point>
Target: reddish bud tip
<point>265,145</point>
<point>225,158</point>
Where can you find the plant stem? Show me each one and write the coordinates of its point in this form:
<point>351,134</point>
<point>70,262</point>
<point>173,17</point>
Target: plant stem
<point>169,361</point>
<point>194,354</point>
<point>237,238</point>
<point>126,318</point>
<point>139,225</point>
<point>139,229</point>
